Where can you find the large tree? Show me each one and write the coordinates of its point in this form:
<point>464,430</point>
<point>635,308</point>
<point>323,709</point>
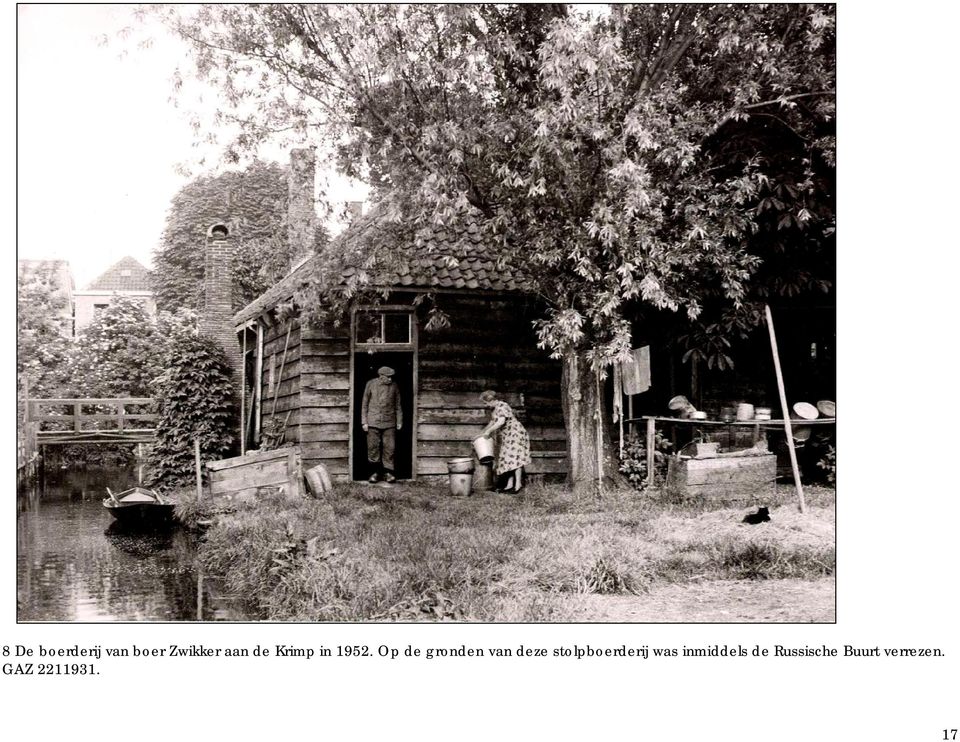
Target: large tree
<point>627,157</point>
<point>254,202</point>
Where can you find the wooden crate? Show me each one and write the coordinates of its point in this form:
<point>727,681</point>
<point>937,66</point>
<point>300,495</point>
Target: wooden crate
<point>724,476</point>
<point>244,475</point>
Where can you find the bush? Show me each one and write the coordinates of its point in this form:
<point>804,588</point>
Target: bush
<point>829,464</point>
<point>195,400</point>
<point>633,462</point>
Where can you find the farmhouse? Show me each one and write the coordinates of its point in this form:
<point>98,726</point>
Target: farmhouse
<point>311,374</point>
<point>452,322</point>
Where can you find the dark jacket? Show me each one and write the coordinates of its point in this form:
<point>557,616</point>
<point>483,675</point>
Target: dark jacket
<point>381,405</point>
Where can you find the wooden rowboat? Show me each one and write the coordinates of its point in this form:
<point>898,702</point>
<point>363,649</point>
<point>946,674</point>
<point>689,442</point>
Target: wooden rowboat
<point>139,507</point>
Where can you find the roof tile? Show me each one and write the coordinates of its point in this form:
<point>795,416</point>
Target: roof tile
<point>445,259</point>
<point>127,274</point>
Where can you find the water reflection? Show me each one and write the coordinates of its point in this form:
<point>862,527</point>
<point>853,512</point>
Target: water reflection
<point>75,563</point>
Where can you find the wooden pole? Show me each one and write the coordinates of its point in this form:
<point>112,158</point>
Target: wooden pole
<point>243,394</point>
<point>618,401</point>
<point>651,442</point>
<point>256,406</point>
<point>599,418</point>
<point>788,427</point>
<point>196,461</point>
<point>199,594</point>
<point>283,362</point>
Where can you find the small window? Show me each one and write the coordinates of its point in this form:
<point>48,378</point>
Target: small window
<point>396,328</point>
<point>126,273</point>
<point>375,328</point>
<point>369,327</point>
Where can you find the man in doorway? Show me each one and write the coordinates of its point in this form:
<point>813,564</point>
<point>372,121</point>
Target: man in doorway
<point>381,417</point>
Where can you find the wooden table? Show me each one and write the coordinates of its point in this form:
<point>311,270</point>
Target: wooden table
<point>652,420</point>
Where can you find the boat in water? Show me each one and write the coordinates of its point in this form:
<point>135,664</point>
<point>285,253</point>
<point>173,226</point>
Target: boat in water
<point>139,507</point>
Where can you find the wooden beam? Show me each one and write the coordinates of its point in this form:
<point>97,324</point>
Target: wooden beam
<point>243,394</point>
<point>788,428</point>
<point>651,442</point>
<point>196,462</point>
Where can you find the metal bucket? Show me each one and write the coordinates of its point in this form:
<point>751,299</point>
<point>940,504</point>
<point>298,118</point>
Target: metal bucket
<point>484,448</point>
<point>460,484</point>
<point>460,466</point>
<point>745,411</point>
<point>461,476</point>
<point>483,479</point>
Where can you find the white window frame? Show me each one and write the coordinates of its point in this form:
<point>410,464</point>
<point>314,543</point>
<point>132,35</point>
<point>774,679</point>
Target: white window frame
<point>383,310</point>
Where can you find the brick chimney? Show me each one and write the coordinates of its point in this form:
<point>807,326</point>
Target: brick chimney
<point>216,318</point>
<point>301,212</point>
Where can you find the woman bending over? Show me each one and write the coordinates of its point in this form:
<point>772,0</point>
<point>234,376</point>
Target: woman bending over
<point>513,449</point>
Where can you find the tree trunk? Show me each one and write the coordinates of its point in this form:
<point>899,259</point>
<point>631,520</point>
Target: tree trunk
<point>591,458</point>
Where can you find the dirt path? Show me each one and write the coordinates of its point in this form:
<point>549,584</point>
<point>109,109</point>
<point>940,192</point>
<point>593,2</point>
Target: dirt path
<point>727,601</point>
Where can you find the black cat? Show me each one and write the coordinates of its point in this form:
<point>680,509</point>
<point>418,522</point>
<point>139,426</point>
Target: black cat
<point>760,516</point>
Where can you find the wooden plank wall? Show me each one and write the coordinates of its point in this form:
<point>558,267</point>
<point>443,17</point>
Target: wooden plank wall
<point>324,417</point>
<point>288,393</point>
<point>490,344</point>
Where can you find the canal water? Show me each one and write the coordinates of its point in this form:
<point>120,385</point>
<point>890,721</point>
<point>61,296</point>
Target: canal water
<point>75,563</point>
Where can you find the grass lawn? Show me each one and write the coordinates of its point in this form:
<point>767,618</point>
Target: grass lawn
<point>414,553</point>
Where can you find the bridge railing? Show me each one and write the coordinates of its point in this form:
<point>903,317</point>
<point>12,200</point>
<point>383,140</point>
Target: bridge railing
<point>63,420</point>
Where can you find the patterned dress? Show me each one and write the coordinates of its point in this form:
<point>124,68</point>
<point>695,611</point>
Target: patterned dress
<point>513,443</point>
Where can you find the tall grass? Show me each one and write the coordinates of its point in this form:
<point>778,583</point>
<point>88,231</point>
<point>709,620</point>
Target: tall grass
<point>415,553</point>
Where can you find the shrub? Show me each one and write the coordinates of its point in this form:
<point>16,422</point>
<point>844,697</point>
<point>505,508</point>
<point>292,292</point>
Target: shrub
<point>633,462</point>
<point>195,400</point>
<point>829,464</point>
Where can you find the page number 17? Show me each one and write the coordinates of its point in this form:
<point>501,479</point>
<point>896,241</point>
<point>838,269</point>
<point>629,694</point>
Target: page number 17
<point>949,734</point>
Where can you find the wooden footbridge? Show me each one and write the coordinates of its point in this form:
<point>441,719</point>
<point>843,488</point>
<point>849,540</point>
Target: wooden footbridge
<point>63,422</point>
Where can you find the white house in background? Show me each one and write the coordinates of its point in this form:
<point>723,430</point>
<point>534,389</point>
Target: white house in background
<point>127,277</point>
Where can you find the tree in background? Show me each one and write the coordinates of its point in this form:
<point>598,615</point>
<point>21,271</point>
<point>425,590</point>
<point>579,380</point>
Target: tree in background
<point>118,354</point>
<point>648,158</point>
<point>42,347</point>
<point>253,202</point>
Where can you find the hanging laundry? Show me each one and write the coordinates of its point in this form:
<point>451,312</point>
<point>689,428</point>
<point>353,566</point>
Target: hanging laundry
<point>635,374</point>
<point>617,393</point>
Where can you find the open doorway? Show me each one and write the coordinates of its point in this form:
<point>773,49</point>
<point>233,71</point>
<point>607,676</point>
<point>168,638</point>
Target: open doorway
<point>365,365</point>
